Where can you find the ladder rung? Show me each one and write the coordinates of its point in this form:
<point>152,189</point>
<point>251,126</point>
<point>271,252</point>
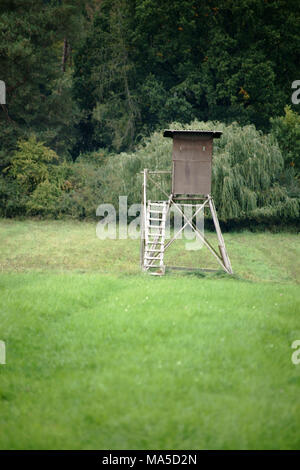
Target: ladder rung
<point>155,238</point>
<point>158,254</point>
<point>155,234</point>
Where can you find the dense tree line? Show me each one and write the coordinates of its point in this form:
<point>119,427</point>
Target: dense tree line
<point>146,63</point>
<point>253,185</point>
<point>84,74</point>
<point>86,79</point>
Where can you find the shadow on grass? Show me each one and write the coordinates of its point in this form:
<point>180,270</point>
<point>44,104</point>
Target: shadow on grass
<point>182,272</point>
<point>203,274</point>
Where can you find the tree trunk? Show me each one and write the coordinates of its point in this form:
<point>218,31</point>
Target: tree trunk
<point>65,55</point>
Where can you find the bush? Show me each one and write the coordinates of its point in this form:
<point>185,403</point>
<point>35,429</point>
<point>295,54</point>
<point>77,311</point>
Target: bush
<point>31,164</point>
<point>81,191</point>
<point>27,178</point>
<point>44,200</point>
<point>12,199</point>
<point>286,129</point>
<point>249,182</point>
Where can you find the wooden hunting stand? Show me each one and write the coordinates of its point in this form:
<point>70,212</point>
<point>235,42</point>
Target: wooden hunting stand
<point>191,182</point>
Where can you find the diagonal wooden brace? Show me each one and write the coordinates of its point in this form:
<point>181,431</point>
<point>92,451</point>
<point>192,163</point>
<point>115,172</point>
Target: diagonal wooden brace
<point>182,228</point>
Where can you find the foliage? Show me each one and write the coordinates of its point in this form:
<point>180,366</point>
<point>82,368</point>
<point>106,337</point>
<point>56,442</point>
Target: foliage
<point>43,200</point>
<point>81,192</point>
<point>12,199</point>
<point>31,164</point>
<point>104,82</point>
<point>145,64</point>
<point>248,180</point>
<point>96,157</point>
<point>26,188</point>
<point>90,74</point>
<point>286,129</point>
<point>38,91</point>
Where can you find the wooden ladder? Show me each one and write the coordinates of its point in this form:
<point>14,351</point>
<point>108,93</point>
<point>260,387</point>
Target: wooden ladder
<point>155,232</point>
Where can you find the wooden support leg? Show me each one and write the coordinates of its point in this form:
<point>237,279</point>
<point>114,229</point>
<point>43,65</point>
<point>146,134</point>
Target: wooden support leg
<point>203,239</point>
<point>143,219</point>
<point>186,223</point>
<point>222,258</point>
<point>222,247</point>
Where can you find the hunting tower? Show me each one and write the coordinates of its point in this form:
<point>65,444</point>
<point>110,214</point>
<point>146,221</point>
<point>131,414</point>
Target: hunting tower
<point>191,181</point>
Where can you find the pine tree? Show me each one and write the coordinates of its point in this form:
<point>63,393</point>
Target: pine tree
<point>38,92</point>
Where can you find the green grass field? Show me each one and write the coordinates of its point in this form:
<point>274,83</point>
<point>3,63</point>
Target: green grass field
<point>101,356</point>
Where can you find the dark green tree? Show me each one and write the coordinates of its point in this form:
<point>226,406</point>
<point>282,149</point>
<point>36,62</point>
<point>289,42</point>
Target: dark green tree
<point>146,63</point>
<point>36,68</point>
<point>287,132</point>
<point>104,80</point>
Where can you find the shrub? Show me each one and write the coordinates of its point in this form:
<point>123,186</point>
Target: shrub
<point>286,129</point>
<point>27,178</point>
<point>81,190</point>
<point>249,182</point>
<point>44,200</point>
<point>12,199</point>
<point>30,164</point>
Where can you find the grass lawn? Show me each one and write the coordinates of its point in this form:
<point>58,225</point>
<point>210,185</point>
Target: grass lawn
<point>101,356</point>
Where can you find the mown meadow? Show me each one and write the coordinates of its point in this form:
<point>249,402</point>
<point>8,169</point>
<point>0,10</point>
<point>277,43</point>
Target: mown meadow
<point>102,356</point>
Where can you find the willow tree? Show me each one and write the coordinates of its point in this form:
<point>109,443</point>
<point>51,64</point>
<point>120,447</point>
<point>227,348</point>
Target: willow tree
<point>246,179</point>
<point>247,169</point>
